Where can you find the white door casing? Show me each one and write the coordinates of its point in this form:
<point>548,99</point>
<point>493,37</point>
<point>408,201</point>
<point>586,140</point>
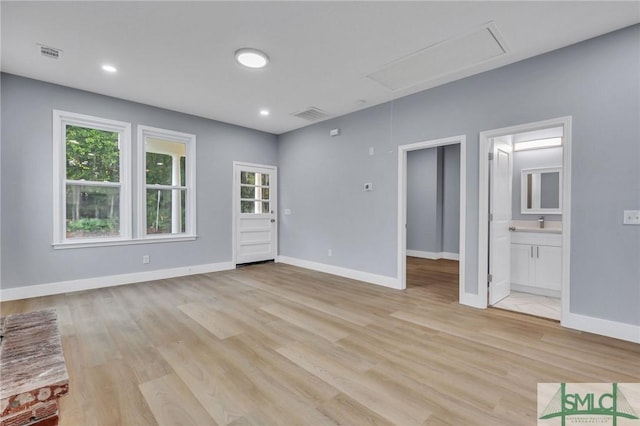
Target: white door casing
<point>500,220</point>
<point>568,319</point>
<point>255,229</point>
<point>402,208</point>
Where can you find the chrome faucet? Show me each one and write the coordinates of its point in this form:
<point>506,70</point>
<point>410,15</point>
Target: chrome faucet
<point>540,222</point>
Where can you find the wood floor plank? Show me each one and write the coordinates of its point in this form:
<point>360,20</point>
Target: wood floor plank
<point>284,374</point>
<point>205,379</point>
<point>95,341</point>
<point>221,325</point>
<point>399,409</point>
<point>307,321</point>
<point>118,398</point>
<point>345,410</point>
<point>312,303</point>
<point>173,404</point>
<point>77,406</point>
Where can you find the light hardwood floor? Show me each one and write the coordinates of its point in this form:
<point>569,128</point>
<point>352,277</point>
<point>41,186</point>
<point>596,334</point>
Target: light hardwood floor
<point>275,344</point>
<point>440,272</point>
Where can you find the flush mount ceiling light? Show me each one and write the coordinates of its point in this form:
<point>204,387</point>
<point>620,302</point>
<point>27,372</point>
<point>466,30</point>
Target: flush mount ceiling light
<point>537,144</point>
<point>109,68</point>
<point>264,112</point>
<point>252,58</point>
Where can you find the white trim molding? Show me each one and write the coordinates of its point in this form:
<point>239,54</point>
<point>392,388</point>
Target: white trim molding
<point>49,289</point>
<point>483,202</point>
<point>189,141</point>
<point>60,121</point>
<point>433,255</point>
<point>617,330</point>
<point>401,278</point>
<point>367,277</point>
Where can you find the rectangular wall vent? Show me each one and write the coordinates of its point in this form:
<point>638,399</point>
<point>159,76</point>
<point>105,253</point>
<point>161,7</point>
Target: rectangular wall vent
<point>50,52</point>
<point>312,114</point>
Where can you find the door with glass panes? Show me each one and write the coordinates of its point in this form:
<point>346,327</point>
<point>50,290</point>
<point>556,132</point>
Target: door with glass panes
<point>255,213</point>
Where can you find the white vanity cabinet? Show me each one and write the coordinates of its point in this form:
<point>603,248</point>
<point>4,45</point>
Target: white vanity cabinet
<point>536,262</point>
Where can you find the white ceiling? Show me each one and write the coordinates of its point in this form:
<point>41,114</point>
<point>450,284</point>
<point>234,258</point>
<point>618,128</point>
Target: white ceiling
<point>179,55</point>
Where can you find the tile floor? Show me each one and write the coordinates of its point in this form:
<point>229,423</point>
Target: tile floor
<point>533,304</point>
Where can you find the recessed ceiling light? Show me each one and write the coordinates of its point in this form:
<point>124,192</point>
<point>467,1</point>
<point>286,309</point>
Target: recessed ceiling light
<point>264,112</point>
<point>252,58</point>
<point>109,68</point>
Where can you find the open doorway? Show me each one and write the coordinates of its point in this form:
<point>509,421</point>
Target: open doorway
<point>524,217</point>
<point>424,254</point>
<point>433,211</point>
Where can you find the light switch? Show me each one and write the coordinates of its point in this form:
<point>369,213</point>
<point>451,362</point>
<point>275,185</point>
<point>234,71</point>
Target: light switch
<point>287,212</point>
<point>368,186</point>
<point>631,217</point>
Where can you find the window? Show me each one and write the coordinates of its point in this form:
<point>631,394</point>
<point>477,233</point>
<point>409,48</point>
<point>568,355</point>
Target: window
<point>254,192</point>
<point>91,180</point>
<point>167,168</point>
<point>92,186</point>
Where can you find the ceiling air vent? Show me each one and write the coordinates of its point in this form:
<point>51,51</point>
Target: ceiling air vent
<point>50,52</point>
<point>312,114</point>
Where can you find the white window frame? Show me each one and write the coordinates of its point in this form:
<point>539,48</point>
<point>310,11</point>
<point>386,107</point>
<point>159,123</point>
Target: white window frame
<point>60,121</point>
<point>190,180</point>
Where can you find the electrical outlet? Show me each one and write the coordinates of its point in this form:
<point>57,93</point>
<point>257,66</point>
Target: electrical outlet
<point>631,217</point>
<point>145,259</point>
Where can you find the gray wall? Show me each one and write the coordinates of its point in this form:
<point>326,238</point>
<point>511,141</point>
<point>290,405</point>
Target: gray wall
<point>321,180</point>
<point>433,199</point>
<point>596,82</point>
<point>424,200</point>
<point>28,257</point>
<point>548,157</point>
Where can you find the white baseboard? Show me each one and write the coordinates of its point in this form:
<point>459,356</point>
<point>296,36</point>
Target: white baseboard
<point>617,330</point>
<point>536,290</point>
<point>49,289</point>
<point>382,280</point>
<point>433,255</point>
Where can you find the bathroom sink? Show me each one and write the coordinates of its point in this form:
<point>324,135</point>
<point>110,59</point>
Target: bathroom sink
<point>541,230</point>
<point>550,227</point>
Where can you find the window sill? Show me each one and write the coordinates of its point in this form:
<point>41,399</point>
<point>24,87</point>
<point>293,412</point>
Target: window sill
<point>147,240</point>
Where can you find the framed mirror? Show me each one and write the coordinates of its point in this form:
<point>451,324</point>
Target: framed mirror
<point>541,191</point>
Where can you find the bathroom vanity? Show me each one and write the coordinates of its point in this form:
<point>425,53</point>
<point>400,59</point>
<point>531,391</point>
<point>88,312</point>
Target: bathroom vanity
<point>536,258</point>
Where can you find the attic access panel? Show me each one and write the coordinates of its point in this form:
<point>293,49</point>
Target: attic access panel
<point>446,57</point>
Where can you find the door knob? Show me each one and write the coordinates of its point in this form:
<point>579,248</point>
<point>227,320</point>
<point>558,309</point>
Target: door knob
<point>273,220</point>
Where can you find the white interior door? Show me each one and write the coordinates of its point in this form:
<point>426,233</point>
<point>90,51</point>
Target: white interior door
<point>255,213</point>
<point>500,220</point>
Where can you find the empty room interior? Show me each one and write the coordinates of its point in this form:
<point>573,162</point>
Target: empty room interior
<point>319,213</point>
